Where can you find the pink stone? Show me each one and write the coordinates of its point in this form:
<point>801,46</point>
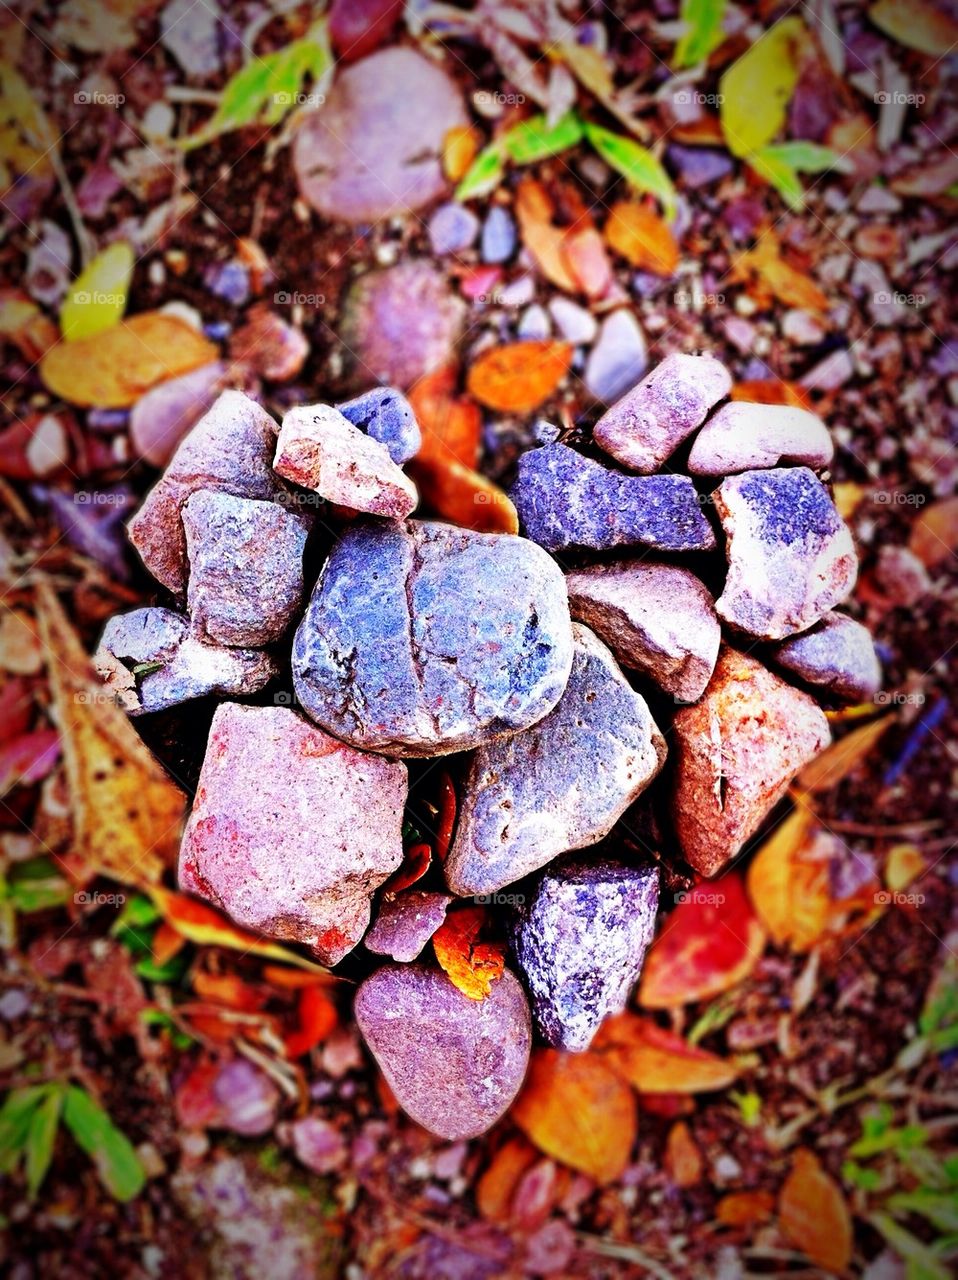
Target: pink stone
<point>406,923</point>
<point>740,436</point>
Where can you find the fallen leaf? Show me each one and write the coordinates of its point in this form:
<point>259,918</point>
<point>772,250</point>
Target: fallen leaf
<point>932,177</point>
<point>642,238</point>
<point>166,943</point>
<point>228,989</point>
<point>495,1188</point>
<point>26,136</point>
<point>464,497</point>
<point>446,819</point>
<point>917,24</point>
<point>459,148</point>
<point>21,650</point>
<point>484,174</point>
<point>934,534</point>
<point>754,92</point>
<point>575,1109</point>
<point>470,965</point>
<point>682,1158</point>
<point>654,1060</point>
<point>415,864</point>
<point>97,298</point>
<point>790,897</point>
<point>905,864</point>
<point>813,1214</point>
<point>451,424</point>
<point>838,760</point>
<point>110,1150</point>
<point>28,759</point>
<point>127,814</point>
<point>702,22</point>
<point>768,275</point>
<point>114,368</point>
<point>583,252</point>
<point>518,377</point>
<point>535,139</point>
<point>317,1018</point>
<point>745,1208</point>
<point>535,211</point>
<point>847,497</point>
<point>772,391</point>
<point>710,943</point>
<point>640,167</point>
<point>101,26</point>
<point>24,324</point>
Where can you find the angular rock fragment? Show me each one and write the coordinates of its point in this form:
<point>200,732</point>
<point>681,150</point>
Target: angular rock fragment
<point>560,785</point>
<point>741,436</point>
<point>319,449</point>
<point>566,500</point>
<point>650,422</point>
<point>735,753</point>
<point>656,618</point>
<point>580,942</point>
<point>387,416</point>
<point>151,662</point>
<point>454,1064</point>
<point>292,831</point>
<point>424,639</point>
<point>837,655</point>
<point>246,567</point>
<point>230,449</point>
<point>405,924</point>
<point>790,554</point>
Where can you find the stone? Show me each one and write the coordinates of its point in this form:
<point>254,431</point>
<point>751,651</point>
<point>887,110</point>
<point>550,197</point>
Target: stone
<point>698,166</point>
<point>566,500</point>
<point>454,1064</point>
<point>790,554</point>
<point>452,229</point>
<point>374,148</point>
<point>618,359</point>
<point>423,639</point>
<point>656,618</point>
<point>387,416</point>
<point>499,235</point>
<point>161,418</point>
<point>649,423</point>
<point>174,666</point>
<point>534,325</point>
<point>901,576</point>
<point>400,323</point>
<point>405,924</point>
<point>579,944</point>
<point>292,831</point>
<point>246,567</point>
<point>743,437</point>
<point>560,785</point>
<point>357,27</point>
<point>191,33</point>
<point>229,281</point>
<point>319,449</point>
<point>837,655</point>
<point>735,753</point>
<point>268,345</point>
<point>231,450</point>
<point>575,323</point>
<point>318,1144</point>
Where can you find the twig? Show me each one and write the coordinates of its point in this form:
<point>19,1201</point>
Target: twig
<point>623,1253</point>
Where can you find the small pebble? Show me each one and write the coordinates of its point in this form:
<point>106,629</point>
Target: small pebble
<point>534,324</point>
<point>229,281</point>
<point>574,323</point>
<point>452,229</point>
<point>618,359</point>
<point>405,924</point>
<point>387,416</point>
<point>498,235</point>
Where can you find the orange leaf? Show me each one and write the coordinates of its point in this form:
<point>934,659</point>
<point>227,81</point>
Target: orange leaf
<point>772,391</point>
<point>518,377</point>
<point>228,989</point>
<point>446,821</point>
<point>683,1160</point>
<point>494,1190</point>
<point>642,238</point>
<point>838,760</point>
<point>584,254</point>
<point>934,535</point>
<point>667,1105</point>
<point>545,242</point>
<point>745,1208</point>
<point>114,368</point>
<point>317,1020</point>
<point>451,425</point>
<point>415,864</point>
<point>470,965</point>
<point>574,1108</point>
<point>790,896</point>
<point>294,979</point>
<point>460,145</point>
<point>25,325</point>
<point>654,1060</point>
<point>464,497</point>
<point>813,1215</point>
<point>167,943</point>
<point>768,273</point>
<point>710,943</point>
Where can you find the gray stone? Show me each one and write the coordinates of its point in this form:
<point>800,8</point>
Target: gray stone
<point>534,324</point>
<point>246,567</point>
<point>561,785</point>
<point>498,235</point>
<point>405,924</point>
<point>790,554</point>
<point>618,359</point>
<point>575,323</point>
<point>656,618</point>
<point>838,655</point>
<point>741,436</point>
<point>649,423</point>
<point>580,942</point>
<point>452,229</point>
<point>566,500</point>
<point>191,33</point>
<point>174,666</point>
<point>454,1064</point>
<point>387,416</point>
<point>423,639</point>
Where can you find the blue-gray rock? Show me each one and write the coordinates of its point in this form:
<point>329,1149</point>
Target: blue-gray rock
<point>452,229</point>
<point>422,639</point>
<point>618,359</point>
<point>561,785</point>
<point>498,235</point>
<point>790,554</point>
<point>387,416</point>
<point>838,655</point>
<point>566,500</point>
<point>229,281</point>
<point>580,942</point>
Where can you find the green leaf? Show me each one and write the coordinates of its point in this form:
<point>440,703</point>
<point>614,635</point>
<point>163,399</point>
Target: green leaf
<point>110,1150</point>
<point>906,1138</point>
<point>97,298</point>
<point>534,140</point>
<point>808,157</point>
<point>779,174</point>
<point>636,163</point>
<point>484,174</point>
<point>170,972</point>
<point>139,912</point>
<point>756,89</point>
<point>939,1207</point>
<point>920,1260</point>
<point>15,1119</point>
<point>703,31</point>
<point>857,1175</point>
<point>749,1105</point>
<point>41,1139</point>
<point>713,1018</point>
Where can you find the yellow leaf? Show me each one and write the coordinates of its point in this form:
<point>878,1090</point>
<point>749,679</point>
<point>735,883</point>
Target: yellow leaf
<point>642,238</point>
<point>847,496</point>
<point>813,1214</point>
<point>519,376</point>
<point>470,965</point>
<point>127,814</point>
<point>917,24</point>
<point>838,761</point>
<point>789,885</point>
<point>905,863</point>
<point>755,90</point>
<point>97,297</point>
<point>26,137</point>
<point>459,147</point>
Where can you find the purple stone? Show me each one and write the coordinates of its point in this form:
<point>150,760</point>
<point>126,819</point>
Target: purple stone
<point>405,924</point>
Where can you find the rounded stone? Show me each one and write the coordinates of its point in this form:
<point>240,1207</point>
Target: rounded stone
<point>423,639</point>
<point>838,656</point>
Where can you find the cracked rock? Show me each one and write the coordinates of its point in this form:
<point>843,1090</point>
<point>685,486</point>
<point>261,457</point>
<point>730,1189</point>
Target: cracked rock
<point>650,422</point>
<point>790,554</point>
<point>387,416</point>
<point>563,784</point>
<point>740,436</point>
<point>405,924</point>
<point>656,618</point>
<point>454,1064</point>
<point>580,942</point>
<point>423,639</point>
<point>566,501</point>
<point>291,830</point>
<point>837,655</point>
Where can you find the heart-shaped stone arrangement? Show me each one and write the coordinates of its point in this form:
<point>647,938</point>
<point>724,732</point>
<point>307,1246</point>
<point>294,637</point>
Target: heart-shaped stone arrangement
<point>421,640</point>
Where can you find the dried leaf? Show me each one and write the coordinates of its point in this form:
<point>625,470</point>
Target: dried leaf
<point>710,943</point>
<point>24,324</point>
<point>459,147</point>
<point>683,1160</point>
<point>583,252</point>
<point>842,757</point>
<point>772,391</point>
<point>317,1021</point>
<point>415,864</point>
<point>654,1060</point>
<point>575,1109</point>
<point>934,534</point>
<point>756,89</point>
<point>495,1189</point>
<point>113,369</point>
<point>464,497</point>
<point>702,20</point>
<point>786,894</point>
<point>813,1214</point>
<point>917,24</point>
<point>544,241</point>
<point>642,238</point>
<point>127,814</point>
<point>745,1208</point>
<point>520,376</point>
<point>770,275</point>
<point>472,966</point>
<point>97,298</point>
<point>101,26</point>
<point>26,136</point>
<point>905,864</point>
<point>451,424</point>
